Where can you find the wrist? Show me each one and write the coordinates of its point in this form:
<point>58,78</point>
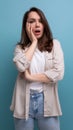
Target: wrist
<point>34,42</point>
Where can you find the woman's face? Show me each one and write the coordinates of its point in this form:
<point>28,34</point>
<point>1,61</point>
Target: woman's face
<point>36,24</point>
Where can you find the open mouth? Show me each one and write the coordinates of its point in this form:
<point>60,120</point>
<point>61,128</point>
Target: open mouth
<point>37,32</point>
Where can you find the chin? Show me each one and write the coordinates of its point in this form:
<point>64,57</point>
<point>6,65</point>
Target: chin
<point>38,37</point>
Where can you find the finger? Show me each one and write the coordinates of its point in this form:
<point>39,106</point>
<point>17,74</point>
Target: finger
<point>28,26</point>
<point>28,29</point>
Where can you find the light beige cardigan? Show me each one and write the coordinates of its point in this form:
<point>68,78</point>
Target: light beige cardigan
<point>54,69</point>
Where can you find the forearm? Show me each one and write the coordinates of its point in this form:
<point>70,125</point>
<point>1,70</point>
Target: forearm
<point>31,50</point>
<point>39,78</point>
<point>36,77</point>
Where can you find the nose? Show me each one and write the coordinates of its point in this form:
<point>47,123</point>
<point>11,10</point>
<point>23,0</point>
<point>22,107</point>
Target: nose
<point>37,23</point>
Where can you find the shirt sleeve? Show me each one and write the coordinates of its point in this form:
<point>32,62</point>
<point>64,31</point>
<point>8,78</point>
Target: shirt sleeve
<point>57,71</point>
<point>20,60</point>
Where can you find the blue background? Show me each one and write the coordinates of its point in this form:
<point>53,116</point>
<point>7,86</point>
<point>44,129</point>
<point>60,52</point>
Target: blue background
<point>60,17</point>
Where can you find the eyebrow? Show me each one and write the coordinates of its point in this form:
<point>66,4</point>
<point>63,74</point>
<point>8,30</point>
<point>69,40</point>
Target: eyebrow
<point>33,19</point>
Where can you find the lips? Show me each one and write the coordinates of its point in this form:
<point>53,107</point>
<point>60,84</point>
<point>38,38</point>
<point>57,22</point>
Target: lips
<point>37,32</point>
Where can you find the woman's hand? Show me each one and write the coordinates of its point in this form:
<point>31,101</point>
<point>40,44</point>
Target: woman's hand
<point>30,33</point>
<point>35,77</point>
<point>27,75</point>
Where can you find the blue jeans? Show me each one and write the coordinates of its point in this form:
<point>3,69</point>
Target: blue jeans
<point>36,111</point>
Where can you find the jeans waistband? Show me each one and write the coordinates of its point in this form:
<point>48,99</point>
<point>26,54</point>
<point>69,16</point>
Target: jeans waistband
<point>35,91</point>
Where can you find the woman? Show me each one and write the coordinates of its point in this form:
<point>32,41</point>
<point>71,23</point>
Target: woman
<point>40,63</point>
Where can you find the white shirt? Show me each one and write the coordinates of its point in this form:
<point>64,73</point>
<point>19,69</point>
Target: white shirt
<point>36,67</point>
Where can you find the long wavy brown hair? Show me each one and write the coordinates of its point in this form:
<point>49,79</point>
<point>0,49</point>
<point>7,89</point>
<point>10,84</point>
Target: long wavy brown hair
<point>45,43</point>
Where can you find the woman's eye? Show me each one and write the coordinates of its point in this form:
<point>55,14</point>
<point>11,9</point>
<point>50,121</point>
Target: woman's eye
<point>31,21</point>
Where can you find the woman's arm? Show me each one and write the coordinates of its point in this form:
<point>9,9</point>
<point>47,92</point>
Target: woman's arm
<point>34,41</point>
<point>56,73</point>
<point>36,77</point>
<point>22,58</point>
